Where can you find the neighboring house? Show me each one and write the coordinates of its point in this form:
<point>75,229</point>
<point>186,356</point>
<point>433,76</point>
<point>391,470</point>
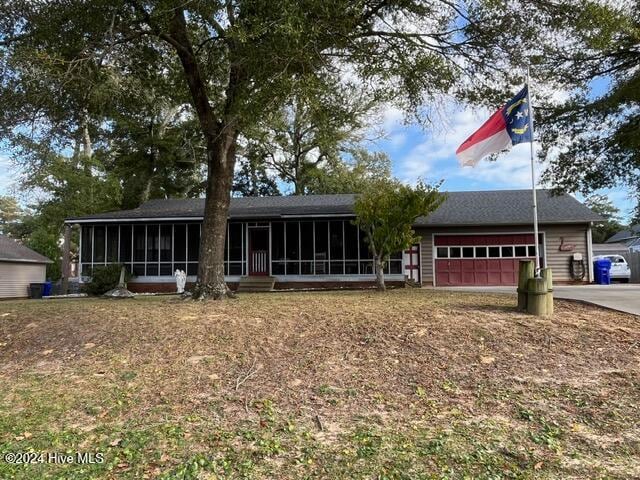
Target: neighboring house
<point>474,238</point>
<point>19,266</point>
<point>630,238</point>
<point>613,248</point>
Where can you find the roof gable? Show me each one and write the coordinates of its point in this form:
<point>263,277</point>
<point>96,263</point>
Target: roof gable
<point>12,251</point>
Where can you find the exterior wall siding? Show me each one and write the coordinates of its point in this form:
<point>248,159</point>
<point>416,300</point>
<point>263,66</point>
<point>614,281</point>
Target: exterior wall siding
<point>559,261</point>
<point>554,235</point>
<point>15,278</point>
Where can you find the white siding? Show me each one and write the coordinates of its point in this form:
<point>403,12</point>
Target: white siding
<point>15,278</point>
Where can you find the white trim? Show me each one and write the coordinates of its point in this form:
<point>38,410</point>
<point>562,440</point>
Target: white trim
<point>433,259</point>
<point>23,260</point>
<point>317,215</point>
<point>200,219</point>
<point>279,278</point>
<point>590,254</point>
<point>135,220</point>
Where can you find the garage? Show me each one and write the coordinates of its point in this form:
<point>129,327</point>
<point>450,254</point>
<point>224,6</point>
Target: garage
<point>19,267</point>
<point>482,259</point>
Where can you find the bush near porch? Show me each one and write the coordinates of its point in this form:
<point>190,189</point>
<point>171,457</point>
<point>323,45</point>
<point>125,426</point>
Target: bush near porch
<point>406,384</point>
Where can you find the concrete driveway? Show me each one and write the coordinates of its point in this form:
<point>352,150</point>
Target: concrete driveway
<point>618,296</point>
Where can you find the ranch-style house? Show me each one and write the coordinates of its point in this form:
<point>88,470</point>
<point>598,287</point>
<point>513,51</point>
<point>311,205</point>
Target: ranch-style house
<point>474,238</point>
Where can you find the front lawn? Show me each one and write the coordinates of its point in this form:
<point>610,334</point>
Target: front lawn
<point>406,384</point>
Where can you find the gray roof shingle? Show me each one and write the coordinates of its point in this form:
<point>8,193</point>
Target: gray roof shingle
<point>12,251</point>
<point>502,207</point>
<point>508,207</point>
<point>631,233</point>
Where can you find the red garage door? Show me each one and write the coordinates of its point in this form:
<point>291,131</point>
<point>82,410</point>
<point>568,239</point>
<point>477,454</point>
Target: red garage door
<point>481,259</point>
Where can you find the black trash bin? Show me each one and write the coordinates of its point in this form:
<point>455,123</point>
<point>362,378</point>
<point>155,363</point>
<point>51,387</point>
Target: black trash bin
<point>35,290</point>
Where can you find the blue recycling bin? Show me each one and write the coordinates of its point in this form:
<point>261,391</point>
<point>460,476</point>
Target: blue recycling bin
<point>602,271</point>
<point>46,288</point>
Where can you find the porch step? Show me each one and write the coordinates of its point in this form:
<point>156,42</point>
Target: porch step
<point>256,284</point>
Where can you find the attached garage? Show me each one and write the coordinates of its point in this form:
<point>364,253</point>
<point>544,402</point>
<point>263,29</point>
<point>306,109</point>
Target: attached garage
<point>19,267</point>
<point>479,238</point>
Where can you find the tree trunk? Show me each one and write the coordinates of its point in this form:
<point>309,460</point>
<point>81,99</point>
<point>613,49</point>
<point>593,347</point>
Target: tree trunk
<point>221,164</point>
<point>380,275</point>
<point>221,139</point>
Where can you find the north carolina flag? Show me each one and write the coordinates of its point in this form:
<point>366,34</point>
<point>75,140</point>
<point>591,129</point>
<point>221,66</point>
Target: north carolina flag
<point>508,126</point>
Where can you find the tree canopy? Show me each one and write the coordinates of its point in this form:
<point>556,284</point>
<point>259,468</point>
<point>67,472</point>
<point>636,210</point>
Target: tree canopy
<point>592,140</point>
<point>386,212</point>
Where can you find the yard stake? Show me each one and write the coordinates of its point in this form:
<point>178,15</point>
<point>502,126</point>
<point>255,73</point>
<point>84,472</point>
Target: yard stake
<point>548,278</point>
<point>537,297</point>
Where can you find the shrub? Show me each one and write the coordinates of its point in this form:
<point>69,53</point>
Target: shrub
<point>104,278</point>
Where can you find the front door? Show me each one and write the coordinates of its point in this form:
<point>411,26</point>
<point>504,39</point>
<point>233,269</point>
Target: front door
<point>258,251</point>
<point>411,260</point>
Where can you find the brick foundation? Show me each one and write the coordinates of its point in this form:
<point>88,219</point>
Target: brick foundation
<point>170,287</point>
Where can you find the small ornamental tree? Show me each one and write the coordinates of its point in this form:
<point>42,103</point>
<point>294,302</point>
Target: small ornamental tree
<point>386,211</point>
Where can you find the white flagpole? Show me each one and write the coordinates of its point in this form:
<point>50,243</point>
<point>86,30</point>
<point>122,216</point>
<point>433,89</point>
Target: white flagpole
<point>533,178</point>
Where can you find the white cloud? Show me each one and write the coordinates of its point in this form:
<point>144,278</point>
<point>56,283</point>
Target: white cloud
<point>7,174</point>
<point>435,156</point>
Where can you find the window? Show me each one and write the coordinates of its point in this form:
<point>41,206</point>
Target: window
<point>322,248</point>
<point>139,232</point>
<point>521,251</point>
<point>467,252</point>
<point>112,244</point>
<point>350,242</point>
<point>98,244</point>
<point>351,268</point>
<point>166,234</point>
<point>394,265</point>
<point>292,245</point>
<point>481,252</point>
<point>336,237</point>
<point>277,241</point>
<point>364,246</point>
<point>87,244</point>
<point>235,242</point>
<point>507,252</point>
<point>532,250</point>
<point>293,268</point>
<point>193,242</point>
<point>153,243</point>
<point>494,252</point>
<point>180,243</point>
<point>125,243</point>
<point>306,240</point>
<point>442,252</point>
<point>336,268</point>
<point>454,252</point>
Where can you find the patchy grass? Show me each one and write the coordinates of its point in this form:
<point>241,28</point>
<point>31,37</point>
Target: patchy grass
<point>406,384</point>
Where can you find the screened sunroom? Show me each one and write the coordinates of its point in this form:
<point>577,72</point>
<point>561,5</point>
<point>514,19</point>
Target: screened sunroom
<point>309,247</point>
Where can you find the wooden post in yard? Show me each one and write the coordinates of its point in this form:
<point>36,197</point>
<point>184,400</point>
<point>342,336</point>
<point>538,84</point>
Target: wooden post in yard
<point>525,272</point>
<point>66,262</point>
<point>548,278</point>
<point>537,296</point>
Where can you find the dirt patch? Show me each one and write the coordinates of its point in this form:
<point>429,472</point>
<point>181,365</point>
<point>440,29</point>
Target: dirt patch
<point>330,362</point>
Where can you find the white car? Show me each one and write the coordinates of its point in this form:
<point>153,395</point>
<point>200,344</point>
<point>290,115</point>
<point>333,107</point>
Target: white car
<point>619,267</point>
